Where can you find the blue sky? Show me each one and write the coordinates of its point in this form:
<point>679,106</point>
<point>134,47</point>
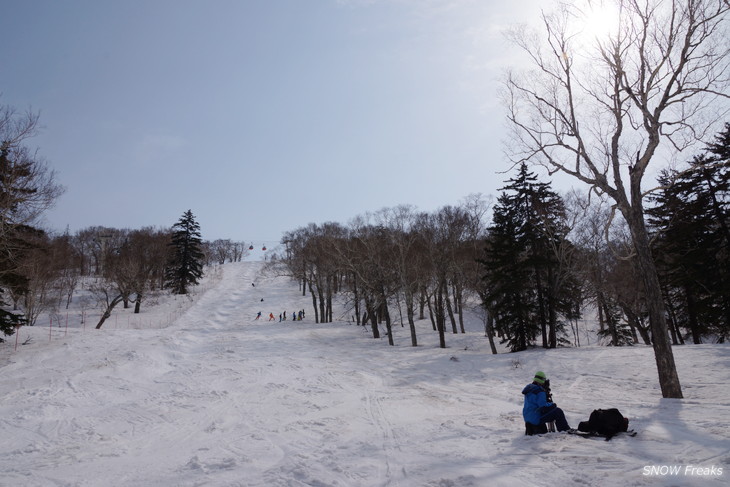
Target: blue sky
<point>259,116</point>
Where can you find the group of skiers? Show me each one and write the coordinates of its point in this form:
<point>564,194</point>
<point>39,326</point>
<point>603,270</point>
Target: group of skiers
<point>295,316</point>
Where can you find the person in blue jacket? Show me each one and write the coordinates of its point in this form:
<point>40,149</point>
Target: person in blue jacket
<point>537,409</point>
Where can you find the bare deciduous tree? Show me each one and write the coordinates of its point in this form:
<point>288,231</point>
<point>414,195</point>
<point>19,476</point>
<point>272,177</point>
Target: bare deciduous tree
<point>601,109</point>
<point>133,263</point>
<point>27,188</point>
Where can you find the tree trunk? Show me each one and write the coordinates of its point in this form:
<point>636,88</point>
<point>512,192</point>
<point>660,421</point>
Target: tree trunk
<point>374,323</point>
<point>314,303</point>
<point>666,367</point>
<point>611,324</point>
<point>489,329</point>
<point>372,315</point>
<point>431,314</point>
<point>635,323</point>
<point>673,323</point>
<point>601,319</point>
<point>459,303</point>
<point>692,317</point>
<point>552,327</point>
<point>388,324</point>
<point>643,330</point>
<point>322,304</point>
<point>421,309</point>
<point>410,312</point>
<point>356,298</point>
<point>440,316</point>
<point>450,310</point>
<point>108,310</point>
<point>552,314</point>
<point>331,289</point>
<point>541,308</point>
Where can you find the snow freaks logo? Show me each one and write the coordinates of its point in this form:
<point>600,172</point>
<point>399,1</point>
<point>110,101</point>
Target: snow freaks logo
<point>681,471</point>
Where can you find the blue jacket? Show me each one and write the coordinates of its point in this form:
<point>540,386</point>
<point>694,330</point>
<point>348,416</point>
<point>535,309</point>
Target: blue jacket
<point>536,404</point>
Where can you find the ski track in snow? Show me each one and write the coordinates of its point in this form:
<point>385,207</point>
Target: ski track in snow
<point>218,398</point>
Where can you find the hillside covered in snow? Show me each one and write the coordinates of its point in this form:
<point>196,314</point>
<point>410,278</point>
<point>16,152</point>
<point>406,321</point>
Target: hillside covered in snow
<point>199,392</point>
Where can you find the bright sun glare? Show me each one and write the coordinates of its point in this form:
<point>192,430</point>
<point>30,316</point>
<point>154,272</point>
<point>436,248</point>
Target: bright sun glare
<point>599,19</point>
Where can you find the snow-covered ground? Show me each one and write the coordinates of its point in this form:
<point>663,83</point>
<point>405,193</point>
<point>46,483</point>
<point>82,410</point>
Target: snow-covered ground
<point>193,393</point>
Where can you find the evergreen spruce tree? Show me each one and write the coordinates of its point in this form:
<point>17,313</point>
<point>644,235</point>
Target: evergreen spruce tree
<point>508,293</point>
<point>12,246</point>
<point>185,266</point>
<point>617,333</point>
<point>718,184</point>
<point>527,285</point>
<point>691,216</point>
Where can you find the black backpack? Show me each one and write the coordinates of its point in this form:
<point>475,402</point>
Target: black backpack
<point>605,422</point>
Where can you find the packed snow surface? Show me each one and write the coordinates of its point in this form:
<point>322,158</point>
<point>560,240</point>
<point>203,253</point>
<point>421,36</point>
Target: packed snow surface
<point>195,392</point>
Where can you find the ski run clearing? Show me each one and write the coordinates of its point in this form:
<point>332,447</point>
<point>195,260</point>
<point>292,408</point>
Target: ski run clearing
<point>195,392</point>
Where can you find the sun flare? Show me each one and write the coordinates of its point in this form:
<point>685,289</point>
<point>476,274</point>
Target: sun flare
<point>598,20</point>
